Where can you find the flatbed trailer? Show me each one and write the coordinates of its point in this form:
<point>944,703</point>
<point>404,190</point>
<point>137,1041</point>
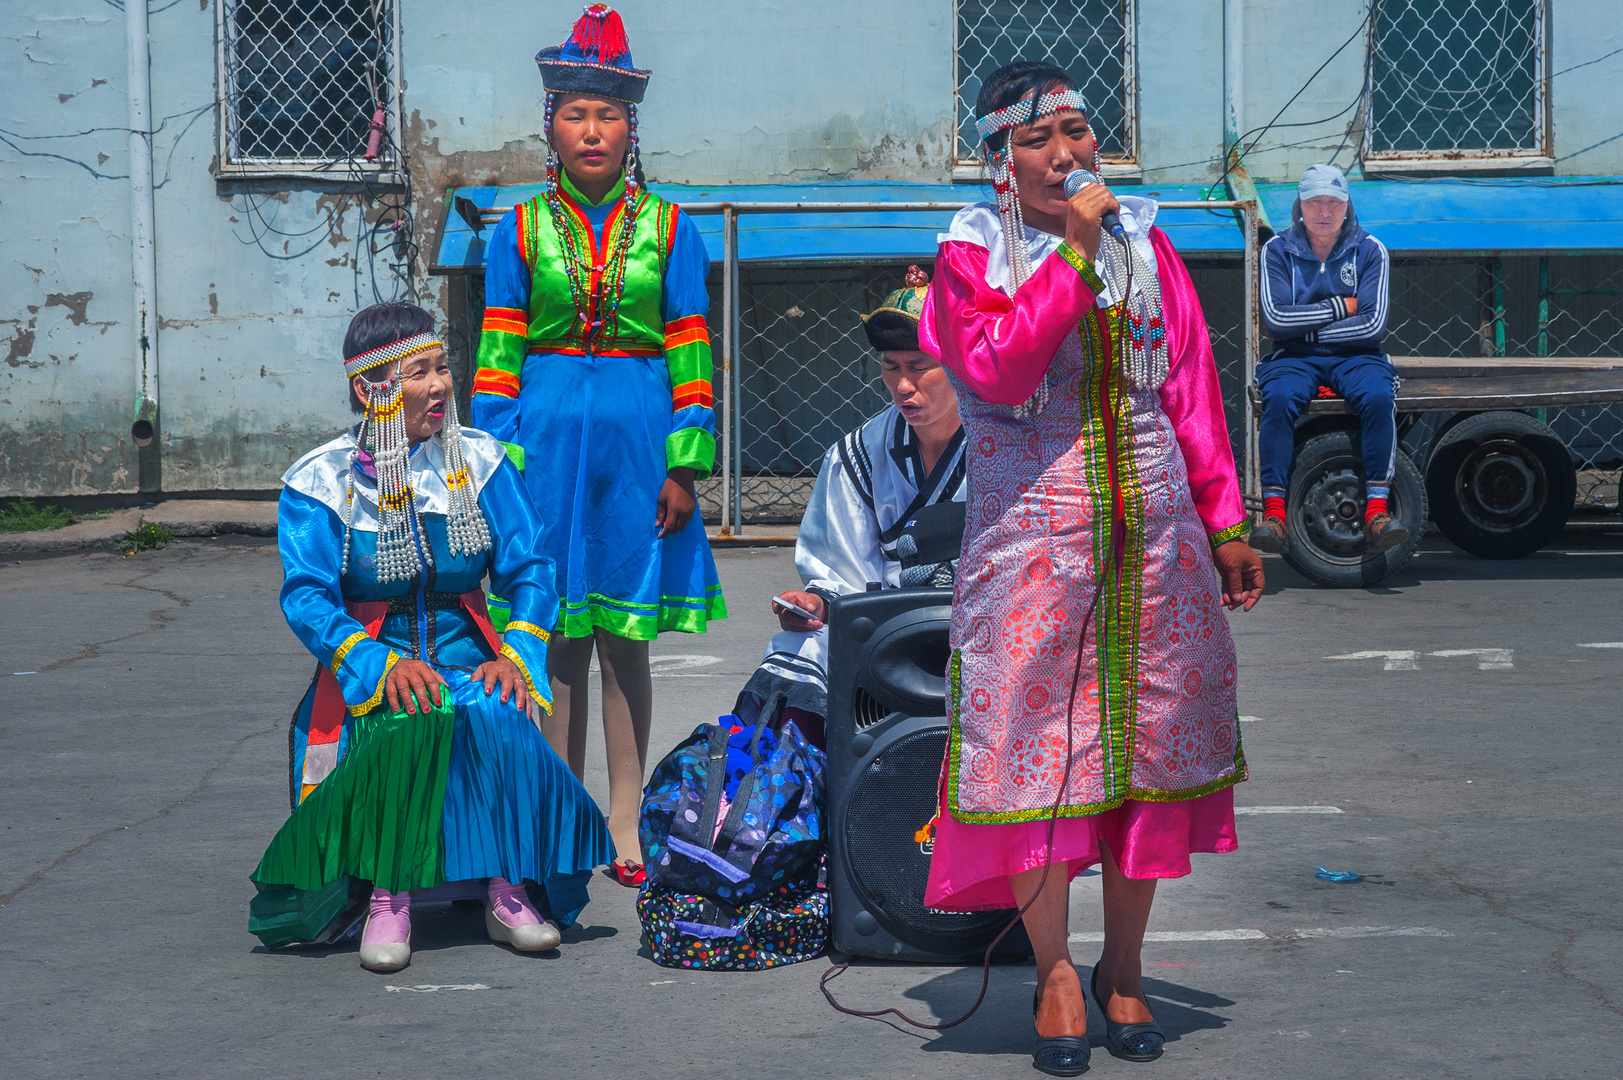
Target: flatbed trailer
<point>1498,482</point>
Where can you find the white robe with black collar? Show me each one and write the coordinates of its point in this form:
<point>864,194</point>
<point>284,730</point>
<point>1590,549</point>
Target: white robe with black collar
<point>871,483</point>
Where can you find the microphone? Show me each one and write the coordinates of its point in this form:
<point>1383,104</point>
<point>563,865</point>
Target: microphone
<point>1080,179</point>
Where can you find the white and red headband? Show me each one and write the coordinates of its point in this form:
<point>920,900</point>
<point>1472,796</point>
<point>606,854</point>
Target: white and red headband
<point>1023,112</point>
<point>385,354</point>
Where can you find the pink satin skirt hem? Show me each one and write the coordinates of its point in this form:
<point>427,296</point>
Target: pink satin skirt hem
<point>971,865</point>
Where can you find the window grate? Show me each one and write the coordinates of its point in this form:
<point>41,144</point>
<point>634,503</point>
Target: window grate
<point>1092,39</point>
<point>300,82</point>
<point>1456,78</point>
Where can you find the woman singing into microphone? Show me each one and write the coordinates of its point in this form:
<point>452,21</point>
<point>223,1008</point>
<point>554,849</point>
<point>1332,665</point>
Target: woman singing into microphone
<point>1092,684</point>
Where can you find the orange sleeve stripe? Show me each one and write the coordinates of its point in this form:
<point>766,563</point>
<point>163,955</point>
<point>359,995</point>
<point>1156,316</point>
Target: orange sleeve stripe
<point>507,320</point>
<point>495,381</point>
<point>698,392</point>
<point>699,335</point>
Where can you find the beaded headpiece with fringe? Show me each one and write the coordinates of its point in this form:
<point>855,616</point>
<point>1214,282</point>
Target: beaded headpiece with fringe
<point>1144,359</point>
<point>383,434</point>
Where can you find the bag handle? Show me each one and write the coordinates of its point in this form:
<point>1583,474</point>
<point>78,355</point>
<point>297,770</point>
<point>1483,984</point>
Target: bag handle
<point>771,712</point>
<point>715,779</point>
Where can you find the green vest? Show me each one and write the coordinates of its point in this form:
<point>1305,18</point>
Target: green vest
<point>637,327</point>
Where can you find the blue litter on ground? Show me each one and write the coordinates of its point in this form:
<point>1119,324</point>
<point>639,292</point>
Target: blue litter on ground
<point>1340,877</point>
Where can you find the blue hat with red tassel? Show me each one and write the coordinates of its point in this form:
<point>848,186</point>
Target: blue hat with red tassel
<point>595,60</point>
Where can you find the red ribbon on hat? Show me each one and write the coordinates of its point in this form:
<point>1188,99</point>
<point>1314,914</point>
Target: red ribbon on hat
<point>600,28</point>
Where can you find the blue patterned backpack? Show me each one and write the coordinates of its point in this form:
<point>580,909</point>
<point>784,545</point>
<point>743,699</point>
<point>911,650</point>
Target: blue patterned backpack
<point>736,810</point>
<point>732,828</point>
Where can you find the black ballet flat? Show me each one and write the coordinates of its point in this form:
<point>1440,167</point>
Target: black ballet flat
<point>1064,1055</point>
<point>1130,1042</point>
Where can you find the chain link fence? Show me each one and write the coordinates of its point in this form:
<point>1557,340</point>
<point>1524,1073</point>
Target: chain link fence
<point>1462,77</point>
<point>300,81</point>
<point>1526,306</point>
<point>1092,39</point>
<point>808,374</point>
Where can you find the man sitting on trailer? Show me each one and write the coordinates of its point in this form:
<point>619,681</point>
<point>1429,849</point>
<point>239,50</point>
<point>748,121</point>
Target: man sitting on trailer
<point>899,467</point>
<point>1324,304</point>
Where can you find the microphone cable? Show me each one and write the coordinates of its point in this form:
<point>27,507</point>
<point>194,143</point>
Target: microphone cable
<point>1113,557</point>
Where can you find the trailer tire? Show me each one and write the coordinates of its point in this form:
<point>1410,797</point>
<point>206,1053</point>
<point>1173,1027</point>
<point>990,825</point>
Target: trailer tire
<point>1325,516</point>
<point>1502,485</point>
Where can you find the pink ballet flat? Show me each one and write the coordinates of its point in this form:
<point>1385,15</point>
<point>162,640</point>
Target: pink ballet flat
<point>511,918</point>
<point>386,940</point>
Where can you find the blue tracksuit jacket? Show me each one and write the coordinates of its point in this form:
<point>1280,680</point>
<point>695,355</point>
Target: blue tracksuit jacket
<point>1302,309</point>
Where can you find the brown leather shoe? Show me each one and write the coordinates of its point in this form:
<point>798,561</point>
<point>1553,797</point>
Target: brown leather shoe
<point>1383,533</point>
<point>1268,535</point>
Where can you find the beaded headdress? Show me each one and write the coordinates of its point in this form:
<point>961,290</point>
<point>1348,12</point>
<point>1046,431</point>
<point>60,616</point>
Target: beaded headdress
<point>1144,359</point>
<point>383,435</point>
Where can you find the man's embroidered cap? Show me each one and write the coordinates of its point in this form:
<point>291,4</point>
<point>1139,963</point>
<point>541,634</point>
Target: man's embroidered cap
<point>595,60</point>
<point>894,324</point>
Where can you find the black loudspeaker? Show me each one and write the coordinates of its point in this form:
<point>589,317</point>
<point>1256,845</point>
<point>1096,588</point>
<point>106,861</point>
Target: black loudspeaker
<point>887,735</point>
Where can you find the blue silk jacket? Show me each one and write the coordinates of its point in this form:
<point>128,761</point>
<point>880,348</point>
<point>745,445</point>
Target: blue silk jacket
<point>437,617</point>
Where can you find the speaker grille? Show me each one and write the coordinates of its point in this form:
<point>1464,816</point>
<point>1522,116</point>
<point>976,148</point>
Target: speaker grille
<point>890,800</point>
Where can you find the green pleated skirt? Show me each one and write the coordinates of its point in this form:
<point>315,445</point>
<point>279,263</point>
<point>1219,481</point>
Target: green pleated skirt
<point>376,817</point>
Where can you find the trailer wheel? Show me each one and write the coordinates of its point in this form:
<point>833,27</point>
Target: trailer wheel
<point>1501,484</point>
<point>1325,515</point>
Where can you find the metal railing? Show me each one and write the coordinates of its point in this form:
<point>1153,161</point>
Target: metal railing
<point>723,501</point>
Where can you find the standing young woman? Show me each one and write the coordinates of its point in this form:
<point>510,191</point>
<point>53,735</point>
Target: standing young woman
<point>594,368</point>
<point>1102,491</point>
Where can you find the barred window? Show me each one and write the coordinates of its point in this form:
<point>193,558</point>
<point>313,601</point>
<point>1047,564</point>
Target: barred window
<point>300,82</point>
<point>1092,39</point>
<point>1461,78</point>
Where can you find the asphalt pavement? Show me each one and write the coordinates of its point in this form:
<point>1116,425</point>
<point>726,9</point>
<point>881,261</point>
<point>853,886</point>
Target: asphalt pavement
<point>1453,736</point>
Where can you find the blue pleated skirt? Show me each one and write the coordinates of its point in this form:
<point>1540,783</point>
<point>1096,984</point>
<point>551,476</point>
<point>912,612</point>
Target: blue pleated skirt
<point>512,807</point>
<point>593,431</point>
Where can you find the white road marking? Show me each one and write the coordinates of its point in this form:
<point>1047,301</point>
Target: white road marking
<point>429,988</point>
<point>664,982</point>
<point>1310,934</point>
<point>1249,719</point>
<point>1181,935</point>
<point>1487,659</point>
<point>665,665</point>
<point>25,673</point>
<point>1584,645</point>
<point>1396,659</point>
<point>1287,810</point>
<point>1371,931</point>
<point>675,665</point>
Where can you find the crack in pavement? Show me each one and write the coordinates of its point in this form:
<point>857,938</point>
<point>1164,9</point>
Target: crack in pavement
<point>1558,960</point>
<point>158,620</point>
<point>202,784</point>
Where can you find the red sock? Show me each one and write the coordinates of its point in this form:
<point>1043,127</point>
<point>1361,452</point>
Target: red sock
<point>1374,506</point>
<point>1274,506</point>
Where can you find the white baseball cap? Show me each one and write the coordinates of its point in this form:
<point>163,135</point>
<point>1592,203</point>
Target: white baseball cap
<point>1320,180</point>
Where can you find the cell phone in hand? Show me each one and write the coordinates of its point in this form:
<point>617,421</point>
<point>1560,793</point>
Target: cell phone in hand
<point>794,608</point>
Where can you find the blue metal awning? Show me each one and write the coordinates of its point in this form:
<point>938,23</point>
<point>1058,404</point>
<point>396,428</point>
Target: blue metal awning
<point>877,234</point>
<point>1513,215</point>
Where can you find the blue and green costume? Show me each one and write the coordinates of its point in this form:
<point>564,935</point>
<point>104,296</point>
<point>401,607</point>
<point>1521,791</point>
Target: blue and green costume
<point>466,791</point>
<point>598,405</point>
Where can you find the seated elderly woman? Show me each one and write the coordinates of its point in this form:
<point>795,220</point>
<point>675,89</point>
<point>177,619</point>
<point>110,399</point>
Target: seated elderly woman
<point>417,760</point>
<point>871,484</point>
